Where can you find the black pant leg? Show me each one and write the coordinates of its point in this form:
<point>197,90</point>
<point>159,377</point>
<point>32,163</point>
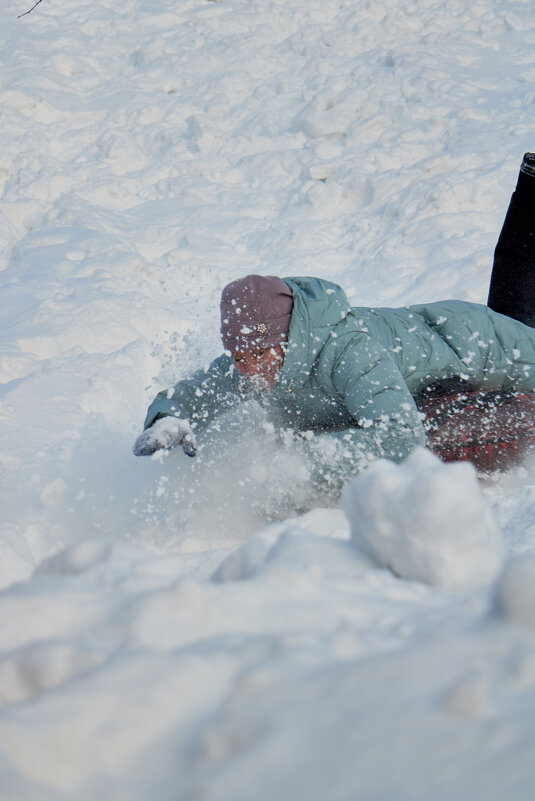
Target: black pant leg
<point>512,283</point>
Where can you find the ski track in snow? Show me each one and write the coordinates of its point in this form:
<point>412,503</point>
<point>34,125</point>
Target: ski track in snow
<point>191,629</point>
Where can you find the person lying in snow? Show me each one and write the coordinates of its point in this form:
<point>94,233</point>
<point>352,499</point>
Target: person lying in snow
<point>363,376</point>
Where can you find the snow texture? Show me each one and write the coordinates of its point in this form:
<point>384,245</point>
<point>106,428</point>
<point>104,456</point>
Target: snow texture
<point>179,628</point>
<point>516,591</point>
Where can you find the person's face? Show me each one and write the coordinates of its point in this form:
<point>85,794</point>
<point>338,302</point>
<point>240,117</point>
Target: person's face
<point>261,366</point>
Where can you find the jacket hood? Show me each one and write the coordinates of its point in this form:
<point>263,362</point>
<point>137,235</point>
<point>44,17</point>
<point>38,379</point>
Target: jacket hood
<point>319,306</point>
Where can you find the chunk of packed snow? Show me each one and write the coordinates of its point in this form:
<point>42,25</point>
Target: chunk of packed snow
<point>425,520</point>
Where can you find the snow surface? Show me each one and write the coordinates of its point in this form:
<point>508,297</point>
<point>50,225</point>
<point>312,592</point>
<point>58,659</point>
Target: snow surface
<point>206,628</point>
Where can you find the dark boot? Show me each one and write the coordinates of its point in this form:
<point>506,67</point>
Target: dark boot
<point>512,283</point>
<point>528,164</point>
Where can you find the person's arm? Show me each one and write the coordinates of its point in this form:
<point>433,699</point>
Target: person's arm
<point>200,398</point>
<point>387,422</point>
<point>378,398</point>
<point>175,414</point>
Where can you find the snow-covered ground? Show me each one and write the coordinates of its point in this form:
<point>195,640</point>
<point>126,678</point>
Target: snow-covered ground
<point>207,629</point>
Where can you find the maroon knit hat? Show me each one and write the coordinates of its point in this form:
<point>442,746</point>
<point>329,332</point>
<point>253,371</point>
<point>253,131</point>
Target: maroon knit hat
<point>255,313</point>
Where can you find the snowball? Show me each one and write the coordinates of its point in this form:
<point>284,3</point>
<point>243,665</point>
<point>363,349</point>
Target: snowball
<point>516,591</point>
<point>425,520</point>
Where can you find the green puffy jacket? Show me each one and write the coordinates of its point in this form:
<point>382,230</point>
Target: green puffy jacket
<point>352,374</point>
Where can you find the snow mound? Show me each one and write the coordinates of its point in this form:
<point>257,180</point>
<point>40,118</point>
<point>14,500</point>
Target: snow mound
<point>294,547</point>
<point>516,591</point>
<point>247,560</point>
<point>426,521</point>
